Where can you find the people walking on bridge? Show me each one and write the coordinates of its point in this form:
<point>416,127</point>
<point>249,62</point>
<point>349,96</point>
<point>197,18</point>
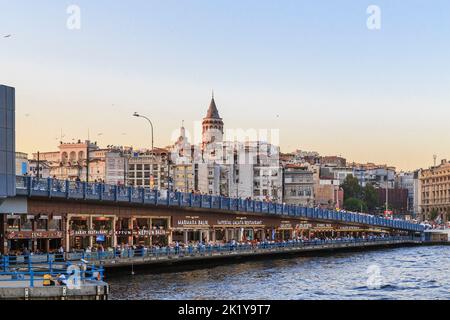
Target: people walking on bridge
<point>60,255</point>
<point>26,254</point>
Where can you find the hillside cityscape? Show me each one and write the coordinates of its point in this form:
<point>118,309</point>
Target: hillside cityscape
<point>251,169</point>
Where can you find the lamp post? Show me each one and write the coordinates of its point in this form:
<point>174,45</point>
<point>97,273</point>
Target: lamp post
<point>137,115</point>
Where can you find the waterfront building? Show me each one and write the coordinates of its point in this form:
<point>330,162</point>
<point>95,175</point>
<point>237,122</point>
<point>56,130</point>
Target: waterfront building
<point>379,176</point>
<point>298,185</point>
<point>209,178</point>
<point>116,163</point>
<point>71,161</point>
<point>397,200</point>
<point>43,166</point>
<point>184,177</point>
<point>300,157</point>
<point>435,192</point>
<point>417,194</point>
<point>328,195</point>
<point>149,169</point>
<point>268,183</point>
<point>333,161</point>
<point>335,174</point>
<point>22,165</point>
<point>78,160</point>
<point>405,180</point>
<point>185,172</point>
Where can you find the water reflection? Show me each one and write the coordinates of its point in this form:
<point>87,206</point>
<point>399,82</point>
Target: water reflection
<point>405,273</point>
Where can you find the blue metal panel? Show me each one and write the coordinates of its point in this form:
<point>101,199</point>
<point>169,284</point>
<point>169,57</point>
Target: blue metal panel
<point>303,212</point>
<point>315,213</point>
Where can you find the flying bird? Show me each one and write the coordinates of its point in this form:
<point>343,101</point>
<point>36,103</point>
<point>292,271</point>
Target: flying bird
<point>7,36</point>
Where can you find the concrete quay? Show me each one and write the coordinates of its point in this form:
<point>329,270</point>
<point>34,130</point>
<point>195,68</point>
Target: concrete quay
<point>21,290</point>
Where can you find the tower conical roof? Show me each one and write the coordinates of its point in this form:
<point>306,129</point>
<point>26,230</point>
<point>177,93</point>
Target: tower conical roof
<point>213,113</point>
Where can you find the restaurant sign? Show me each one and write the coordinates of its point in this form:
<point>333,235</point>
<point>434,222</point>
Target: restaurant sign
<point>191,221</point>
<point>349,228</point>
<point>303,226</point>
<point>323,226</point>
<point>34,235</point>
<point>141,233</point>
<point>285,225</point>
<point>88,233</point>
<point>239,223</point>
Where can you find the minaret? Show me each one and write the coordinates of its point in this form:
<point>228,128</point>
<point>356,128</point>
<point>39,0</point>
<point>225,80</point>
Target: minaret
<point>182,133</point>
<point>212,125</point>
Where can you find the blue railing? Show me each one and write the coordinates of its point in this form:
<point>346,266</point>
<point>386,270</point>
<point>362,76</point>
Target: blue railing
<point>31,186</point>
<point>224,248</point>
<point>31,268</point>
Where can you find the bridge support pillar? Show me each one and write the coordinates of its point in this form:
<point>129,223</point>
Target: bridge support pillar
<point>185,234</point>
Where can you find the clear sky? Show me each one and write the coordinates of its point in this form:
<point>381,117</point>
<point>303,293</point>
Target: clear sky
<point>310,68</point>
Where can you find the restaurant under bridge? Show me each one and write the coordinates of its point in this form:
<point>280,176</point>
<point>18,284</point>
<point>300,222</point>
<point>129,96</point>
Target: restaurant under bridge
<point>48,214</point>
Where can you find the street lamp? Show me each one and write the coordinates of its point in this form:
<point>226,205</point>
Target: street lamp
<point>137,115</point>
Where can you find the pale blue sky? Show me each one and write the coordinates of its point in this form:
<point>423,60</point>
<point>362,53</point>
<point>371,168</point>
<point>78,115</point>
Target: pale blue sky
<point>310,68</point>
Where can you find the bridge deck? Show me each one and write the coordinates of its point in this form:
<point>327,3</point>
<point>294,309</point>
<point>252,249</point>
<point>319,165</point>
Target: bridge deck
<point>82,191</point>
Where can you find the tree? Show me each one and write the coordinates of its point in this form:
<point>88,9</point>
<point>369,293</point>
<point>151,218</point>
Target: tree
<point>434,214</point>
<point>351,188</point>
<point>370,197</point>
<point>354,204</point>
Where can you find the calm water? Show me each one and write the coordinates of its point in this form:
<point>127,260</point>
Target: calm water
<point>404,273</point>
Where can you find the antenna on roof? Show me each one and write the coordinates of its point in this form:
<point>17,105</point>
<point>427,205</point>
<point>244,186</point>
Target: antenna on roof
<point>435,158</point>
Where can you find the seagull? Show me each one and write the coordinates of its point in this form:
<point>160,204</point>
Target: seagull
<point>7,36</point>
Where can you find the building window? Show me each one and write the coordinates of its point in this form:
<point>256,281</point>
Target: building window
<point>41,224</point>
<point>25,223</point>
<point>55,224</point>
<point>13,224</point>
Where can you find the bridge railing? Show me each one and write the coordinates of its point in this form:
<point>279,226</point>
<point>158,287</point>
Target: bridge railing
<point>32,186</point>
<point>32,268</point>
<point>129,253</point>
